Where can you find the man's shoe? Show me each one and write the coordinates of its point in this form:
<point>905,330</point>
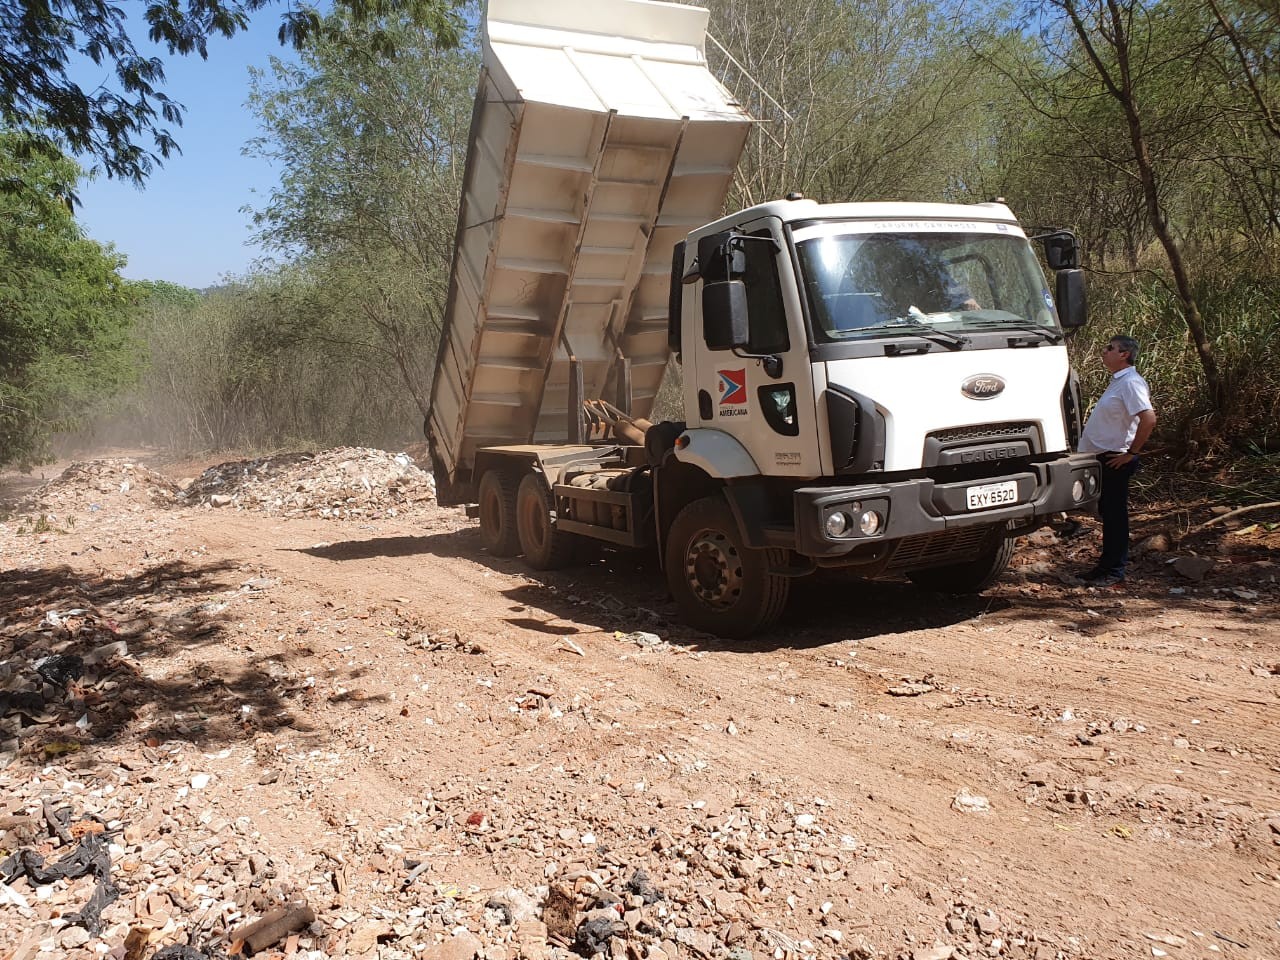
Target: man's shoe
<point>1103,578</point>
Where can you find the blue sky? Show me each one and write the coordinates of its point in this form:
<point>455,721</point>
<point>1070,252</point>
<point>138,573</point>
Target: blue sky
<point>185,225</point>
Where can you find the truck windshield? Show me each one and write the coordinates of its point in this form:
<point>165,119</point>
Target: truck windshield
<point>873,285</point>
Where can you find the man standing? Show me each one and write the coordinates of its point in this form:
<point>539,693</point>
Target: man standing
<point>1117,429</point>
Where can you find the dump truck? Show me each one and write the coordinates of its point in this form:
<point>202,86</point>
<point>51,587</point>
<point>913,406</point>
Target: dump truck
<point>881,389</point>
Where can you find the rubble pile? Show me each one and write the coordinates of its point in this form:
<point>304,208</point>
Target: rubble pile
<point>187,872</point>
<point>343,483</point>
<point>93,485</point>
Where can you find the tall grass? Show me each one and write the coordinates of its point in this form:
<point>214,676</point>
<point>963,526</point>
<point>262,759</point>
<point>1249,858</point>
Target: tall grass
<point>1242,319</point>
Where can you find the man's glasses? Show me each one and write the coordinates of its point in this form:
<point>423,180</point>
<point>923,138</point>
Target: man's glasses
<point>1109,347</point>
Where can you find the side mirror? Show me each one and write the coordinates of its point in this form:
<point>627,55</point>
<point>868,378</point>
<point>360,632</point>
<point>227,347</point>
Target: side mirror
<point>1073,306</point>
<point>724,315</point>
<point>1062,251</point>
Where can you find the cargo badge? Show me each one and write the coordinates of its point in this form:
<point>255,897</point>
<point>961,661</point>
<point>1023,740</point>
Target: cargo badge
<point>733,386</point>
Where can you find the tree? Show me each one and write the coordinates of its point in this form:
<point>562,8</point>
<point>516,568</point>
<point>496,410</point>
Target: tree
<point>64,309</point>
<point>371,152</point>
<point>865,101</point>
<point>1126,82</point>
<point>39,38</point>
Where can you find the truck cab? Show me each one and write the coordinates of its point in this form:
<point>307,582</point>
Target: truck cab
<point>880,386</point>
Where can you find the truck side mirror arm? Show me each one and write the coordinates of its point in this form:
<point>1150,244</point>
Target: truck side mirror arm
<point>771,362</point>
<point>1061,248</point>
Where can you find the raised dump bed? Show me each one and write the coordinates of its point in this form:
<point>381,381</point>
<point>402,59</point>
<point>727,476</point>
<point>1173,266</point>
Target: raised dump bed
<point>598,140</point>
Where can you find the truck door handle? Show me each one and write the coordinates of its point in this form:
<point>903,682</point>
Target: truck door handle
<point>704,405</point>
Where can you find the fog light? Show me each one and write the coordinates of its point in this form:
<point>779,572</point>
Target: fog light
<point>1077,491</point>
<point>837,523</point>
<point>869,522</point>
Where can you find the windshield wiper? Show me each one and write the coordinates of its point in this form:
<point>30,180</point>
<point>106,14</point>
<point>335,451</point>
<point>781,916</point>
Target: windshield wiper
<point>945,337</point>
<point>1049,334</point>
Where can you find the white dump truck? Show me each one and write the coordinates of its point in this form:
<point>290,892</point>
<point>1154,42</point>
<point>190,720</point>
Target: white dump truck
<point>880,388</point>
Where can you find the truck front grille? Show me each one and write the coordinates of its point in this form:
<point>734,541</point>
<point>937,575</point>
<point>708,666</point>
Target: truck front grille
<point>981,447</point>
<point>983,432</point>
<point>938,549</point>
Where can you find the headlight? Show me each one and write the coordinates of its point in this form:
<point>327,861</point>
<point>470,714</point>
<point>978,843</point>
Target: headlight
<point>1077,491</point>
<point>869,522</point>
<point>1091,483</point>
<point>837,523</point>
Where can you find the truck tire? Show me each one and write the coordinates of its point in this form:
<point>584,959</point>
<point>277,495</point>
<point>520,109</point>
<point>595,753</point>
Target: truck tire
<point>497,496</point>
<point>972,576</point>
<point>719,584</point>
<point>545,547</point>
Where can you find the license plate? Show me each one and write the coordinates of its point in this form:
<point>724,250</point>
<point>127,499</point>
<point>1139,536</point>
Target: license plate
<point>992,495</point>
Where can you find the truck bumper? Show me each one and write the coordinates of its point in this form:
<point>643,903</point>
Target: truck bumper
<point>918,507</point>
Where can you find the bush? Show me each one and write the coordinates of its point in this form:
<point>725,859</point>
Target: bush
<point>1241,319</point>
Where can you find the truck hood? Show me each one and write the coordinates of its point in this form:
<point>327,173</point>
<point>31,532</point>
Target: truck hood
<point>921,393</point>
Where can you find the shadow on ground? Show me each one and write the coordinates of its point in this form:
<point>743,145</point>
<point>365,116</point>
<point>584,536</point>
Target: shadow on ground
<point>71,643</point>
<point>626,591</point>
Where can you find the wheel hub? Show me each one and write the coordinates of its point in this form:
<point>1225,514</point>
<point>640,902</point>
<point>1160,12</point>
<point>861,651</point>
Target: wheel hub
<point>714,569</point>
<point>537,525</point>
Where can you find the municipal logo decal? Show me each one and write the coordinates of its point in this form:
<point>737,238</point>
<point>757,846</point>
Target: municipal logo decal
<point>733,386</point>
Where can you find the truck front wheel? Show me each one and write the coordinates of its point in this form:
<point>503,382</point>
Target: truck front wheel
<point>972,576</point>
<point>545,547</point>
<point>497,496</point>
<point>719,584</point>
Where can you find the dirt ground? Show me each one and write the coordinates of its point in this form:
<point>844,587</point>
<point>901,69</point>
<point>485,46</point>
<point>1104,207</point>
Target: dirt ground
<point>303,693</point>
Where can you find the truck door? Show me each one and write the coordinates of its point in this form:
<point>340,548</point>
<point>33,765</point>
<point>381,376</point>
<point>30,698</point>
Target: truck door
<point>769,411</point>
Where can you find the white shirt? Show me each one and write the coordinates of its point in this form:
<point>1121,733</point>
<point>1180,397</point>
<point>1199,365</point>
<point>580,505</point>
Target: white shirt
<point>1114,420</point>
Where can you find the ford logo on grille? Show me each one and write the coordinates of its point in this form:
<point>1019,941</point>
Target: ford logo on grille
<point>982,387</point>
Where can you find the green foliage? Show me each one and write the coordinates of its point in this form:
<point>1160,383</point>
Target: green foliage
<point>887,100</point>
<point>41,524</point>
<point>39,40</point>
<point>867,101</point>
<point>162,292</point>
<point>336,345</point>
<point>64,309</point>
<point>275,361</point>
<point>371,152</point>
<point>1243,316</point>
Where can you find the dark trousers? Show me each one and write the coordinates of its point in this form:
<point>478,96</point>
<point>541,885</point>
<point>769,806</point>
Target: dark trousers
<point>1113,508</point>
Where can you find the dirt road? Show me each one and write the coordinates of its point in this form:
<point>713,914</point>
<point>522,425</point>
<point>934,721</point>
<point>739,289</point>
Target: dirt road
<point>446,756</point>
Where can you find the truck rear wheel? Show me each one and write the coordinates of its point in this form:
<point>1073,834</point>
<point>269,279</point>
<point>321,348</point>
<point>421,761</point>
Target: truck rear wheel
<point>497,496</point>
<point>719,584</point>
<point>545,547</point>
<point>972,576</point>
